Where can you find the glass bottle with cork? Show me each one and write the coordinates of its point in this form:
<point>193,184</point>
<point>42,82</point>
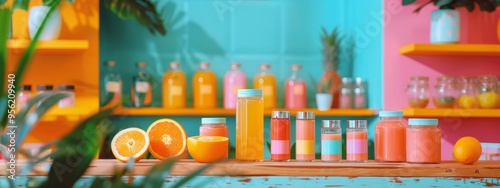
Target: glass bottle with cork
<point>174,87</point>
<point>141,88</point>
<point>295,90</point>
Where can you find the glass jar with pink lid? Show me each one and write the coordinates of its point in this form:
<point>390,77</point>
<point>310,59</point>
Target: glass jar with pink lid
<point>213,127</point>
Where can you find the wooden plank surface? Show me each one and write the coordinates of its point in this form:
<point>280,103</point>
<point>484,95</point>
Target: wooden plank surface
<point>481,169</point>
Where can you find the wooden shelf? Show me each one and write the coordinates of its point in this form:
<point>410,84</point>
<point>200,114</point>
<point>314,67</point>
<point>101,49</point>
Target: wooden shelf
<point>433,112</point>
<point>451,49</point>
<point>83,108</point>
<point>49,47</point>
<point>481,169</point>
<point>232,112</point>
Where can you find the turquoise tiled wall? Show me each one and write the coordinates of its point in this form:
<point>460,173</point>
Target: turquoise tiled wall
<point>279,32</point>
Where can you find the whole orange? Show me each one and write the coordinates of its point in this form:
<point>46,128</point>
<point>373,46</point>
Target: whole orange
<point>467,150</point>
<point>206,149</point>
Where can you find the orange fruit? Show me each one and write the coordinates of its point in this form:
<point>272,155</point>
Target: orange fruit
<point>130,142</point>
<point>467,150</point>
<point>167,139</point>
<point>206,149</point>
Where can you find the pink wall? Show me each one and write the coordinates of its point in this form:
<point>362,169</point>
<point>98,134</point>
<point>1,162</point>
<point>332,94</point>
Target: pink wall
<point>401,27</point>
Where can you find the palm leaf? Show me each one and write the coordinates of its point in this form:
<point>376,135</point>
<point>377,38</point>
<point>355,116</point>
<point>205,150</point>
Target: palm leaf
<point>21,4</point>
<point>143,11</point>
<point>4,34</point>
<point>192,175</point>
<point>156,176</point>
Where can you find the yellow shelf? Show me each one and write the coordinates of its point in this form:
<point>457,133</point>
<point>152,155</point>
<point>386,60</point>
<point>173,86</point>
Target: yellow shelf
<point>451,49</point>
<point>49,47</point>
<point>83,108</point>
<point>440,113</point>
<point>232,112</point>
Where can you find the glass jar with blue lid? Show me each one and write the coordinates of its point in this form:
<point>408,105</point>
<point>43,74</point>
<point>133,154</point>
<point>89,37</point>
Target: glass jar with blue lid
<point>423,141</point>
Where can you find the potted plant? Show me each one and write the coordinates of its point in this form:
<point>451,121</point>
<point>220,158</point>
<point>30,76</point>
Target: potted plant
<point>445,22</point>
<point>324,97</point>
<point>331,79</point>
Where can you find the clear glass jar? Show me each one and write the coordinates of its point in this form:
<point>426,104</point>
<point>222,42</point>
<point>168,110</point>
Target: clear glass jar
<point>357,141</point>
<point>305,137</point>
<point>23,96</point>
<point>445,92</point>
<point>280,136</point>
<point>423,141</point>
<point>359,93</point>
<point>141,88</point>
<point>345,97</point>
<point>41,89</point>
<point>67,101</point>
<point>213,127</point>
<point>468,90</point>
<point>250,125</point>
<point>390,137</point>
<point>488,92</point>
<point>418,92</point>
<point>331,141</point>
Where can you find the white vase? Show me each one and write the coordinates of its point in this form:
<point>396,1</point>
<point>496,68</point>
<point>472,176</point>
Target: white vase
<point>52,27</point>
<point>324,101</point>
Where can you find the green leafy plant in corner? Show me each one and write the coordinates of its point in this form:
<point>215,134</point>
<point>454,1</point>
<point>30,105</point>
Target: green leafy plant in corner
<point>484,5</point>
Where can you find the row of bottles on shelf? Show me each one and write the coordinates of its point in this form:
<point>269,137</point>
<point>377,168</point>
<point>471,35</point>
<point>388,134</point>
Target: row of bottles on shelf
<point>204,82</point>
<point>466,92</point>
<point>26,93</point>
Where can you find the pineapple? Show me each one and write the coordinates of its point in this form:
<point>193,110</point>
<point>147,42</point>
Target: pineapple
<point>331,79</point>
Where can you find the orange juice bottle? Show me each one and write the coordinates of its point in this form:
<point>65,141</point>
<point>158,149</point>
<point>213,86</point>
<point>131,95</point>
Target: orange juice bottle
<point>265,81</point>
<point>204,87</point>
<point>174,87</point>
<point>250,125</point>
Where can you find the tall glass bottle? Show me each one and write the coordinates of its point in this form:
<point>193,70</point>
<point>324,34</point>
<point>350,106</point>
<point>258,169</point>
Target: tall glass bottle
<point>265,81</point>
<point>295,90</point>
<point>112,83</point>
<point>204,87</point>
<point>345,96</point>
<point>359,93</point>
<point>250,125</point>
<point>174,87</point>
<point>233,80</point>
<point>141,89</point>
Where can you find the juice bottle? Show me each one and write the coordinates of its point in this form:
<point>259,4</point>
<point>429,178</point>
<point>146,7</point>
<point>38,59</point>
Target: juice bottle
<point>174,87</point>
<point>141,89</point>
<point>233,80</point>
<point>265,81</point>
<point>113,84</point>
<point>280,136</point>
<point>204,87</point>
<point>295,90</point>
<point>305,136</point>
<point>390,137</point>
<point>250,125</point>
<point>357,141</point>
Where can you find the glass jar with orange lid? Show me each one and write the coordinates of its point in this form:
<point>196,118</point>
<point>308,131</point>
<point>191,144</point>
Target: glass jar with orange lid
<point>468,90</point>
<point>204,87</point>
<point>418,92</point>
<point>489,97</point>
<point>445,92</point>
<point>390,137</point>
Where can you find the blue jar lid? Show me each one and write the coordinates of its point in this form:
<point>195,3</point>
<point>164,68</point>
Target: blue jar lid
<point>422,122</point>
<point>213,120</point>
<point>390,114</point>
<point>249,93</point>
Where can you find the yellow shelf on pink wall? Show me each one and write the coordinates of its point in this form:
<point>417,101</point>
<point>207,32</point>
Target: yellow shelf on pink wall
<point>451,112</point>
<point>49,47</point>
<point>451,49</point>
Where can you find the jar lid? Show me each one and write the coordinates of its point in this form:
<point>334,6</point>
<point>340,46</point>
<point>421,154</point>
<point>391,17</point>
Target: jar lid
<point>66,87</point>
<point>331,123</point>
<point>265,66</point>
<point>235,65</point>
<point>43,87</point>
<point>110,63</point>
<point>280,114</point>
<point>213,120</point>
<point>249,93</point>
<point>174,64</point>
<point>305,115</point>
<point>390,114</point>
<point>360,124</point>
<point>422,122</point>
<point>26,87</point>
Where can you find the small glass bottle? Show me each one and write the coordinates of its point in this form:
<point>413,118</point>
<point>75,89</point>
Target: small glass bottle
<point>359,94</point>
<point>357,141</point>
<point>280,136</point>
<point>265,81</point>
<point>213,127</point>
<point>233,80</point>
<point>23,96</point>
<point>331,141</point>
<point>305,137</point>
<point>112,83</point>
<point>418,92</point>
<point>67,101</point>
<point>423,141</point>
<point>488,97</point>
<point>390,137</point>
<point>250,125</point>
<point>468,90</point>
<point>346,94</point>
<point>295,90</point>
<point>42,88</point>
<point>445,92</point>
<point>204,87</point>
<point>141,88</point>
<point>174,87</point>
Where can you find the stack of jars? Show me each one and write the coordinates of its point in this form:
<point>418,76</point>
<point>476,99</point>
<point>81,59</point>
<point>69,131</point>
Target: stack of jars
<point>352,95</point>
<point>466,92</point>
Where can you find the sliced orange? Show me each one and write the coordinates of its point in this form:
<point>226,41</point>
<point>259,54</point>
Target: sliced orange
<point>467,150</point>
<point>206,149</point>
<point>167,139</point>
<point>130,142</point>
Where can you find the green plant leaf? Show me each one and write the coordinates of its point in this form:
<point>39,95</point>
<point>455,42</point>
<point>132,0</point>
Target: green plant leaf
<point>2,2</point>
<point>99,182</point>
<point>21,4</point>
<point>417,10</point>
<point>156,176</point>
<point>79,148</point>
<point>292,151</point>
<point>442,2</point>
<point>268,144</point>
<point>192,175</point>
<point>407,2</point>
<point>143,11</point>
<point>5,15</point>
<point>119,174</point>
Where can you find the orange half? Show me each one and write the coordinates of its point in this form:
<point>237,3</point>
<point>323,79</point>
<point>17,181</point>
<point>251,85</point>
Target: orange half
<point>167,139</point>
<point>206,149</point>
<point>130,142</point>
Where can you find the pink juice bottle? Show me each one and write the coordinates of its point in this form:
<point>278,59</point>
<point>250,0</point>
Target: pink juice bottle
<point>295,90</point>
<point>233,80</point>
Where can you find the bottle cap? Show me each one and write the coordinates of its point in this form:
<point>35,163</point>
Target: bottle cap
<point>390,114</point>
<point>213,120</point>
<point>26,87</point>
<point>235,65</point>
<point>416,78</point>
<point>422,122</point>
<point>296,67</point>
<point>280,114</point>
<point>142,64</point>
<point>174,64</point>
<point>111,63</point>
<point>204,65</point>
<point>346,80</point>
<point>264,66</point>
<point>44,87</point>
<point>66,88</point>
<point>358,124</point>
<point>305,115</point>
<point>249,93</point>
<point>331,123</point>
<point>359,81</point>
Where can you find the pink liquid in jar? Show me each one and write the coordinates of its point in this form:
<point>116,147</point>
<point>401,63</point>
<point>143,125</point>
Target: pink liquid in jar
<point>233,80</point>
<point>295,94</point>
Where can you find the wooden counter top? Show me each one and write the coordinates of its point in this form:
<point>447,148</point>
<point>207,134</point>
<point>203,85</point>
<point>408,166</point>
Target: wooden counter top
<point>481,169</point>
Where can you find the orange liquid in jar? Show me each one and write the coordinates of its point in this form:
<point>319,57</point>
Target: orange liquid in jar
<point>174,90</point>
<point>423,142</point>
<point>390,140</point>
<point>250,129</point>
<point>266,83</point>
<point>204,89</point>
